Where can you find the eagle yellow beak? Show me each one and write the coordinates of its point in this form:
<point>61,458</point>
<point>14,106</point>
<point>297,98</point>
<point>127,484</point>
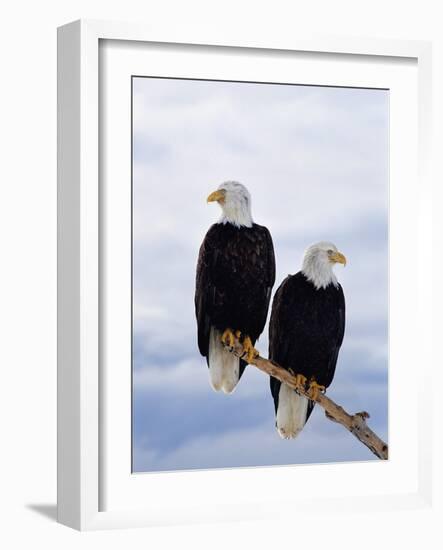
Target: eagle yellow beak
<point>338,257</point>
<point>218,196</point>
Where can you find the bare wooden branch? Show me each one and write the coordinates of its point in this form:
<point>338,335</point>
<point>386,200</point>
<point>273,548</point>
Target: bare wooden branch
<point>355,423</point>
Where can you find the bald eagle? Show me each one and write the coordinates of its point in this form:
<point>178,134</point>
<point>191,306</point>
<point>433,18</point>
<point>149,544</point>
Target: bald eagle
<point>305,333</point>
<point>235,276</point>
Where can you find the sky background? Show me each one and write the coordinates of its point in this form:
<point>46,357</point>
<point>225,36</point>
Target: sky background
<point>315,160</point>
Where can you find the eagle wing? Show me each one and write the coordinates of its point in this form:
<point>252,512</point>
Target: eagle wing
<point>341,311</point>
<point>281,311</point>
<point>279,342</point>
<point>266,248</point>
<point>205,290</point>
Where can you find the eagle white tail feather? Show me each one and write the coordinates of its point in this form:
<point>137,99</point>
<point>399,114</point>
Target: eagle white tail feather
<point>291,412</point>
<point>224,367</point>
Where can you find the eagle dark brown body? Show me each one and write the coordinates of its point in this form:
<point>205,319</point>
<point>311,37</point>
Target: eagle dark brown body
<point>306,330</point>
<point>235,276</point>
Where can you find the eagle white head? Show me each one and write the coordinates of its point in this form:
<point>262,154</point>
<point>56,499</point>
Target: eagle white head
<point>318,263</point>
<point>235,202</point>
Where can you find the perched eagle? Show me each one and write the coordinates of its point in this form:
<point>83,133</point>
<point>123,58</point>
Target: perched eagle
<point>305,333</point>
<point>235,276</point>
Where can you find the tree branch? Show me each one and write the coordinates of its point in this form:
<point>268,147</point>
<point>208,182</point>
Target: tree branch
<point>355,423</point>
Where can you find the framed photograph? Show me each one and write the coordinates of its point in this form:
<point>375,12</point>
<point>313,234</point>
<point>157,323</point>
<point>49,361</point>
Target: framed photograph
<point>211,194</point>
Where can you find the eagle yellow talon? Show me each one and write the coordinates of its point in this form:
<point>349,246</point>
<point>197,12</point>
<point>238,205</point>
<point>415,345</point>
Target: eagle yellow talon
<point>238,334</point>
<point>228,338</point>
<point>300,379</point>
<point>251,352</point>
<point>315,389</point>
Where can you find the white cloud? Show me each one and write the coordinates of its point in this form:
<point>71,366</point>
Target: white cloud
<point>259,446</point>
<point>190,376</point>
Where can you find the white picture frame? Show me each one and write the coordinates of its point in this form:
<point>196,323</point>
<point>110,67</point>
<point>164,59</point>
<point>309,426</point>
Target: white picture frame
<point>81,445</point>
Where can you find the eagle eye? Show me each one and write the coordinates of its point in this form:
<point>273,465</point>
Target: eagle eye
<point>330,252</point>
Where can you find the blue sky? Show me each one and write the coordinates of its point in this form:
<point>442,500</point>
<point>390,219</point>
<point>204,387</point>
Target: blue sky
<point>315,161</point>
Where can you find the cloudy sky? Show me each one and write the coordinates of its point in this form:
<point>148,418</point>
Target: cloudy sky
<point>315,160</point>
